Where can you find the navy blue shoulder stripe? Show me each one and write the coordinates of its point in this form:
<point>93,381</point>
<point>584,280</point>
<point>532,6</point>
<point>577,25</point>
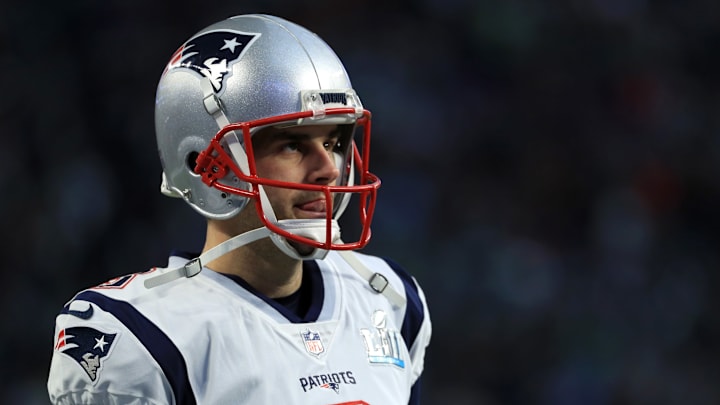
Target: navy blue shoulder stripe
<point>155,341</point>
<point>415,313</point>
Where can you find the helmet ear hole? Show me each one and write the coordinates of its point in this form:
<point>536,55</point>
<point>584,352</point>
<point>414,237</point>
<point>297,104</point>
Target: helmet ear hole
<point>191,161</point>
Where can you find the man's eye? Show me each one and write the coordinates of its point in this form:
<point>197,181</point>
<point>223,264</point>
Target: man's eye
<point>332,145</point>
<point>291,147</point>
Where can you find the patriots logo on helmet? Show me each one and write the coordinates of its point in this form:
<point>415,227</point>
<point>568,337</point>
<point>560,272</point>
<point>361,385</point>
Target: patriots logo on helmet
<point>212,54</point>
<point>87,346</point>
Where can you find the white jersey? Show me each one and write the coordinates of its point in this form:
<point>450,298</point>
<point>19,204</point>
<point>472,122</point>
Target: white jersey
<point>213,339</point>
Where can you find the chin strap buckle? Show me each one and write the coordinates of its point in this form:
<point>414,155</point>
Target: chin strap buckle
<point>378,282</point>
<point>193,267</point>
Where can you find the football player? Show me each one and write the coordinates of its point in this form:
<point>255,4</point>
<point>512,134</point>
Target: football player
<point>259,130</point>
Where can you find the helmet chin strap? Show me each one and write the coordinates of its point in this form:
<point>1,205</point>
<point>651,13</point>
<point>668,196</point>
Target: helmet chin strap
<point>310,228</point>
<point>377,282</point>
<point>194,266</point>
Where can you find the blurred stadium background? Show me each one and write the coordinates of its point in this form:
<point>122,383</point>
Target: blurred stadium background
<point>550,175</point>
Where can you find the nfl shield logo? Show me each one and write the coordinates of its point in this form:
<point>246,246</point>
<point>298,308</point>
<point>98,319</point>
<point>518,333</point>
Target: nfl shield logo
<point>313,343</point>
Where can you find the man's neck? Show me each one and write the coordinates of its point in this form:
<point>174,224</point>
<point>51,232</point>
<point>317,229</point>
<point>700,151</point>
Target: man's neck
<point>261,264</point>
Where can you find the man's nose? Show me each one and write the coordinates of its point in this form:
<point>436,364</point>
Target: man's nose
<point>324,167</point>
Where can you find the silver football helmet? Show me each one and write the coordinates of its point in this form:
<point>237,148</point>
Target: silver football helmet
<point>231,80</point>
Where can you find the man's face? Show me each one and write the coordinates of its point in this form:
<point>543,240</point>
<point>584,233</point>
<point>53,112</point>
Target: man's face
<point>300,154</point>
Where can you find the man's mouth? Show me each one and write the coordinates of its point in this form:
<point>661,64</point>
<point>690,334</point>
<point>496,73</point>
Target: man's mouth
<point>318,207</point>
